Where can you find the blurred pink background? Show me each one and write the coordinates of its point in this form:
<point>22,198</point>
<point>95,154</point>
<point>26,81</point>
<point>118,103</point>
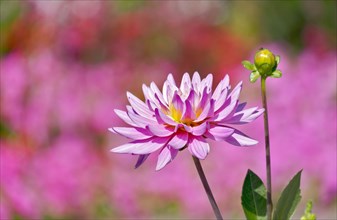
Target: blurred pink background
<point>65,65</point>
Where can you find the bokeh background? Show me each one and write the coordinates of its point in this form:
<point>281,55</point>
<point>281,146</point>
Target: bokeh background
<point>65,65</point>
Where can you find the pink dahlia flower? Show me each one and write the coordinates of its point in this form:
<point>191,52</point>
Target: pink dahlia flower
<point>183,117</point>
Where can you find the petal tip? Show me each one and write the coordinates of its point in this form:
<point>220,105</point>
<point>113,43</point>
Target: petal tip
<point>112,130</point>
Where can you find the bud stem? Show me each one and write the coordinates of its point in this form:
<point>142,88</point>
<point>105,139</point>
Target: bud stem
<point>267,143</point>
<point>207,188</point>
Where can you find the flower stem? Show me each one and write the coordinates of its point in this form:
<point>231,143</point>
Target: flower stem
<point>207,188</point>
<point>267,143</point>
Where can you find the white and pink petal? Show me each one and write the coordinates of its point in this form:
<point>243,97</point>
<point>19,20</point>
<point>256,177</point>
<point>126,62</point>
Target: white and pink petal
<point>198,147</point>
<point>245,116</point>
<point>222,86</point>
<point>177,102</point>
<point>196,82</point>
<point>219,102</point>
<point>164,119</point>
<point>207,83</point>
<point>199,129</point>
<point>179,140</point>
<point>140,121</point>
<point>132,132</point>
<point>160,130</point>
<point>227,111</point>
<point>166,155</point>
<point>207,111</point>
<point>235,93</point>
<point>141,159</point>
<point>188,112</point>
<point>185,85</point>
<point>125,117</point>
<point>139,106</point>
<point>240,139</point>
<point>142,146</point>
<point>219,133</point>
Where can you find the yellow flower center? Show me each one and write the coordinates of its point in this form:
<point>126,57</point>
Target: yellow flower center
<point>175,113</point>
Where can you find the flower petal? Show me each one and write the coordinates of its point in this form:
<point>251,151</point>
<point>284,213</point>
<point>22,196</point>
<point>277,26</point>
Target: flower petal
<point>220,88</point>
<point>179,140</point>
<point>200,129</point>
<point>164,119</point>
<point>187,128</point>
<point>219,133</point>
<point>169,88</point>
<point>131,132</point>
<point>236,92</point>
<point>160,130</point>
<point>245,116</point>
<point>204,99</point>
<point>185,85</point>
<point>188,113</point>
<point>177,106</point>
<point>170,79</point>
<point>198,147</point>
<point>240,139</point>
<point>207,83</point>
<point>141,160</point>
<point>148,94</point>
<point>140,121</point>
<point>220,101</point>
<point>196,82</point>
<point>241,106</point>
<point>193,98</point>
<point>142,146</point>
<point>125,117</point>
<point>162,104</point>
<point>150,98</point>
<point>254,115</point>
<point>166,155</point>
<point>231,98</point>
<point>208,111</point>
<point>227,111</point>
<point>157,93</point>
<point>139,106</point>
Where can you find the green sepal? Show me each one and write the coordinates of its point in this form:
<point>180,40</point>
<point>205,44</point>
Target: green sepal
<point>248,65</point>
<point>277,59</point>
<point>276,74</point>
<point>289,199</point>
<point>254,197</point>
<point>254,76</point>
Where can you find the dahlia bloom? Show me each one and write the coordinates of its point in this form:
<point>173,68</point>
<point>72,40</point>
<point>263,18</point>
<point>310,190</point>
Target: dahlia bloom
<point>183,117</point>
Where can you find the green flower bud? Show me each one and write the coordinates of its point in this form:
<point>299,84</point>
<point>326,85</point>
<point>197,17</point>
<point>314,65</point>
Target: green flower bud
<point>265,62</point>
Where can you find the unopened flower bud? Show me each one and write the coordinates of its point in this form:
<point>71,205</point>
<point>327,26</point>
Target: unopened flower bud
<point>265,62</point>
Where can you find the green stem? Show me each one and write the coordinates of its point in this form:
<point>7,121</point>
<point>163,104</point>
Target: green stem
<point>207,188</point>
<point>267,142</point>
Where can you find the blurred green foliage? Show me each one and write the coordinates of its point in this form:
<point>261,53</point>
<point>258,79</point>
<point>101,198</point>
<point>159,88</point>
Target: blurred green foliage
<point>256,21</point>
<point>10,11</point>
<point>283,21</point>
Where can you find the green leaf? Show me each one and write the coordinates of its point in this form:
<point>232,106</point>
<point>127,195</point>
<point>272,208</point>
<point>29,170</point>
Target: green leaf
<point>289,199</point>
<point>254,197</point>
<point>276,74</point>
<point>248,65</point>
<point>254,76</point>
